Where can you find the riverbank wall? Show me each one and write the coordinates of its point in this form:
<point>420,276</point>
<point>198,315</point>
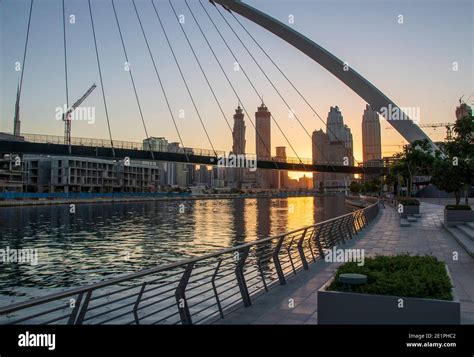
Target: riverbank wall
<point>83,198</point>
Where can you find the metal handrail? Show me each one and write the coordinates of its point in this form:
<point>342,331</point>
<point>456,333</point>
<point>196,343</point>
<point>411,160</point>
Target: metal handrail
<point>254,268</point>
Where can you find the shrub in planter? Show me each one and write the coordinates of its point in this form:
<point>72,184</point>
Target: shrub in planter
<point>399,290</point>
<point>410,206</point>
<point>402,275</point>
<point>457,214</point>
<point>409,202</point>
<point>458,207</point>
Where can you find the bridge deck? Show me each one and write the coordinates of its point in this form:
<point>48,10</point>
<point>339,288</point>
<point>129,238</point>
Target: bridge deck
<point>383,237</point>
<point>26,147</point>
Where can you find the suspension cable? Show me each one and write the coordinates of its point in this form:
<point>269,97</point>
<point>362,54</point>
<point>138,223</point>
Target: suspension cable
<point>270,81</point>
<point>101,80</point>
<point>183,78</point>
<point>26,48</point>
<point>160,81</point>
<point>204,73</point>
<point>65,56</point>
<point>132,80</point>
<point>251,83</point>
<point>287,79</point>
<point>228,80</point>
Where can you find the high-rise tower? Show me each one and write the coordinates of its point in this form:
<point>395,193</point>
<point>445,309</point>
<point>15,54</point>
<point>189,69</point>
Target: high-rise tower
<point>263,143</point>
<point>238,133</point>
<point>335,125</point>
<point>371,139</point>
<point>263,137</point>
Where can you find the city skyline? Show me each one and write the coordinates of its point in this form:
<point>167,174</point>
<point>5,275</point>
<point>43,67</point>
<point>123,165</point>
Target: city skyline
<point>37,107</point>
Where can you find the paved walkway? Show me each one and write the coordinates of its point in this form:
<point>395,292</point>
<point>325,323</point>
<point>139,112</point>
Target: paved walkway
<point>384,237</point>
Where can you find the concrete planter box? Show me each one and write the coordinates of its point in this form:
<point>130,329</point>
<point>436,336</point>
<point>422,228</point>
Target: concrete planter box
<point>410,210</point>
<point>342,308</point>
<point>454,217</point>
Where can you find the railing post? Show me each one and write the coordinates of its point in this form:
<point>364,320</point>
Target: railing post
<point>331,234</point>
<point>360,221</point>
<point>75,310</point>
<point>364,218</point>
<point>300,249</point>
<point>288,250</point>
<point>239,273</point>
<point>354,223</point>
<point>216,294</point>
<point>347,225</point>
<point>318,241</point>
<point>276,261</point>
<point>135,307</point>
<point>180,296</point>
<point>340,223</point>
<point>84,307</point>
<point>310,245</point>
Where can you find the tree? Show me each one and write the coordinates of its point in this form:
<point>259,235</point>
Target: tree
<point>355,187</point>
<point>415,159</point>
<point>455,172</point>
<point>449,177</point>
<point>371,186</point>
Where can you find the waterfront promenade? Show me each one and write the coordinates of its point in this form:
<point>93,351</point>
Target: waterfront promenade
<point>296,302</point>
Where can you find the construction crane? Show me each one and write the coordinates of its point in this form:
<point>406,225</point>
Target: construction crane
<point>67,116</point>
<point>448,126</point>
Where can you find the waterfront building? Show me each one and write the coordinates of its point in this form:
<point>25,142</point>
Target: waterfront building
<point>218,177</point>
<point>11,173</point>
<point>203,176</point>
<point>80,174</point>
<point>305,182</point>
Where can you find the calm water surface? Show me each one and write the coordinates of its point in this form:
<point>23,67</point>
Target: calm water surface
<point>99,241</point>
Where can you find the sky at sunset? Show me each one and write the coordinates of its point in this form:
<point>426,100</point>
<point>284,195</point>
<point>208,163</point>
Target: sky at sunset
<point>411,62</point>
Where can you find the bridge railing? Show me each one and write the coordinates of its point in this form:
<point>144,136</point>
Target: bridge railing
<point>196,290</point>
<point>104,143</point>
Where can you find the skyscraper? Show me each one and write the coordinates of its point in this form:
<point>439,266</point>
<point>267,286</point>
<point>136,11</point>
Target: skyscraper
<point>320,149</point>
<point>263,137</point>
<point>238,133</point>
<point>235,175</point>
<point>371,139</point>
<point>263,143</point>
<point>337,131</point>
<point>335,146</point>
<point>335,125</point>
